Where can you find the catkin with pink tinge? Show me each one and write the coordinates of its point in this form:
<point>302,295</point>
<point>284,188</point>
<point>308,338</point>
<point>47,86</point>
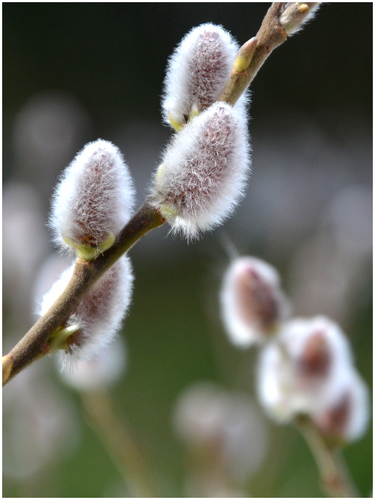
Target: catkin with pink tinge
<point>98,316</point>
<point>204,171</point>
<point>197,73</point>
<point>93,200</point>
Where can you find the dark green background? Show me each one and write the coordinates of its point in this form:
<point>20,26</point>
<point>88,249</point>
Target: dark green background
<point>111,57</point>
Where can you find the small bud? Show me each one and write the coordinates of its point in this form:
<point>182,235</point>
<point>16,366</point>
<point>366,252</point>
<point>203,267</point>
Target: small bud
<point>197,73</point>
<point>303,369</point>
<point>244,56</point>
<point>252,303</point>
<point>204,171</point>
<point>99,314</point>
<point>346,419</point>
<point>296,15</point>
<point>7,366</point>
<point>93,200</point>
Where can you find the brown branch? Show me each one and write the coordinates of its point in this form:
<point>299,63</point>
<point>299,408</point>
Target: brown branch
<point>256,50</point>
<point>34,344</point>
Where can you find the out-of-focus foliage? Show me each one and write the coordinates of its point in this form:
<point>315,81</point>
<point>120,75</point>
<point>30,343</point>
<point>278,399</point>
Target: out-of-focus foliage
<point>76,72</point>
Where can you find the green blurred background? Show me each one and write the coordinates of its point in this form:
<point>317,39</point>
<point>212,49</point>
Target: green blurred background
<point>73,72</point>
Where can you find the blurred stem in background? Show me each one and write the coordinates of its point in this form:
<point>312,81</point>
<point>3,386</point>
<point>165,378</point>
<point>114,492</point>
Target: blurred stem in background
<point>334,475</point>
<point>119,443</point>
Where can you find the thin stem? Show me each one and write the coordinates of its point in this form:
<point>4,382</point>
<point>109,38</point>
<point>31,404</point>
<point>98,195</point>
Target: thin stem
<point>269,36</point>
<point>34,344</point>
<point>119,443</point>
<point>334,475</point>
<point>255,51</point>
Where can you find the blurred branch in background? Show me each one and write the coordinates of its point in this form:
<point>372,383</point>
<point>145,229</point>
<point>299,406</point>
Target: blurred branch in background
<point>119,443</point>
<point>335,478</point>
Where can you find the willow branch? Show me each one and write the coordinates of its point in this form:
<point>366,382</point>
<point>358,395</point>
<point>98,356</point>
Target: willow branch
<point>34,344</point>
<point>250,58</point>
<point>255,51</point>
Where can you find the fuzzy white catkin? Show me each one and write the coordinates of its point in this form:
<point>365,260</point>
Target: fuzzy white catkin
<point>204,171</point>
<point>197,72</point>
<point>206,417</point>
<point>304,368</point>
<point>252,302</point>
<point>94,198</point>
<point>346,418</point>
<point>99,314</point>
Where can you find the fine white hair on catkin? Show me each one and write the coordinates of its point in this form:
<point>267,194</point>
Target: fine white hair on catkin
<point>197,72</point>
<point>101,311</point>
<point>94,197</point>
<point>204,171</point>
